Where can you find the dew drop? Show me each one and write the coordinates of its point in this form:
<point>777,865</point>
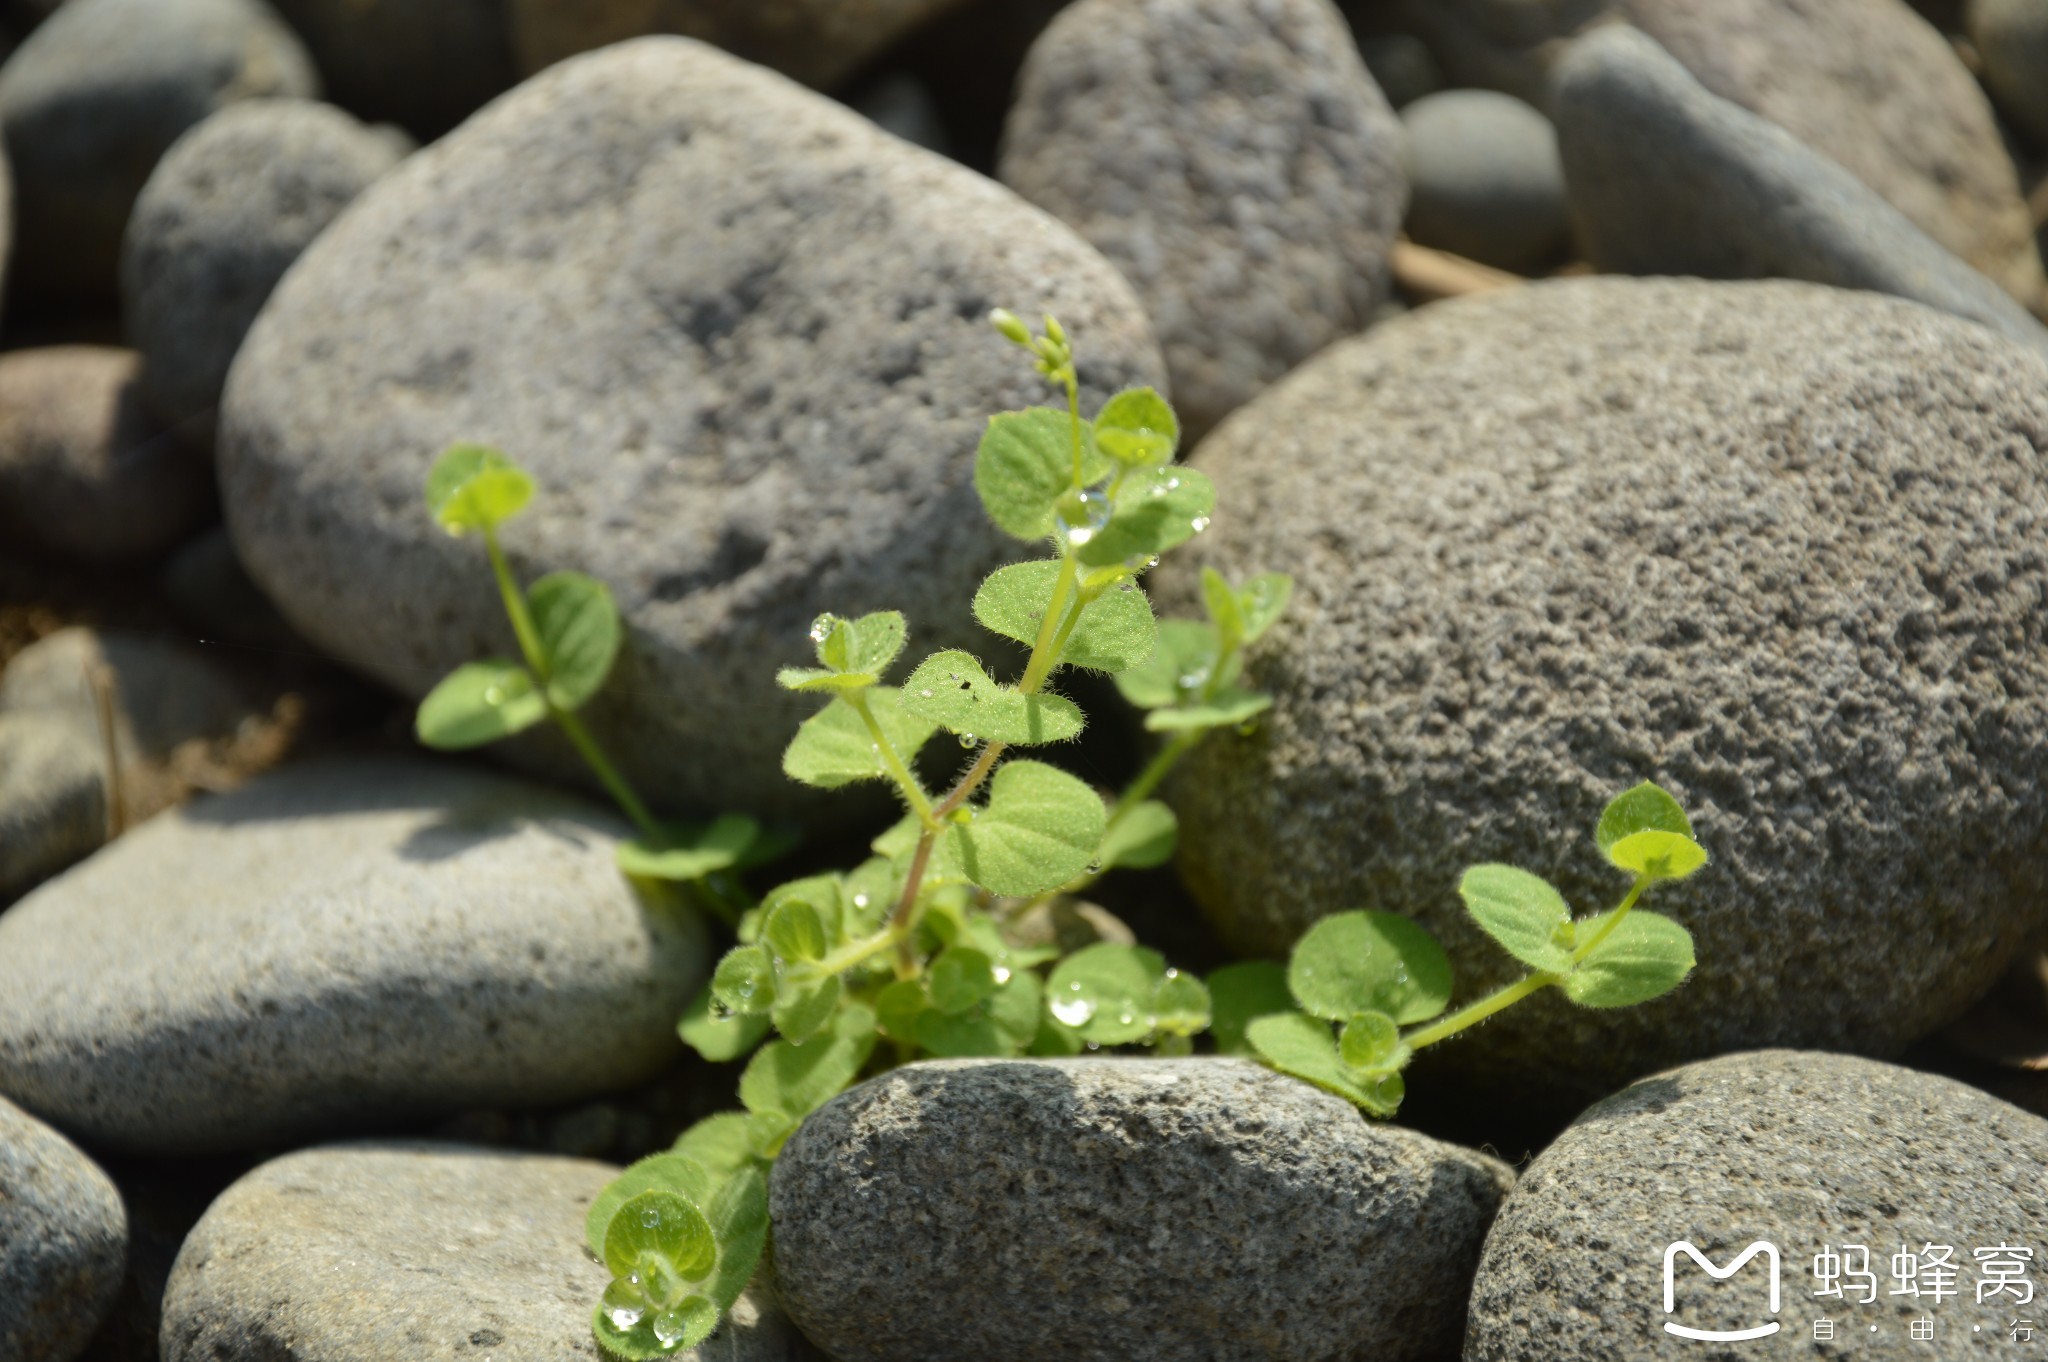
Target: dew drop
<point>1073,1010</point>
<point>651,1218</point>
<point>494,695</point>
<point>968,740</point>
<point>1095,867</point>
<point>1082,515</point>
<point>1001,974</point>
<point>860,900</point>
<point>1199,523</point>
<point>822,626</point>
<point>925,694</point>
<point>623,1306</point>
<point>669,1328</point>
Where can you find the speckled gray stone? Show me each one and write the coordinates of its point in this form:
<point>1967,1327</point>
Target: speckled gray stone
<point>1236,162</point>
<point>53,807</point>
<point>165,693</point>
<point>1806,1151</point>
<point>226,212</point>
<point>63,1242</point>
<point>739,336</point>
<point>335,945</point>
<point>84,473</point>
<point>1486,181</point>
<point>427,64</point>
<point>2011,37</point>
<point>1122,1210</point>
<point>1667,178</point>
<point>94,96</point>
<point>414,1250</point>
<point>1769,544</point>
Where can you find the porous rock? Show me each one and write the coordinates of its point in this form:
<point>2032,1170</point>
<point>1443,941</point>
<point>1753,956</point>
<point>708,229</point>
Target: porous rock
<point>63,1242</point>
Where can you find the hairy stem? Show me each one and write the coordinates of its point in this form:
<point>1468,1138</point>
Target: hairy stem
<point>892,761</point>
<point>1479,1011</point>
<point>515,608</point>
<point>608,775</point>
<point>1635,892</point>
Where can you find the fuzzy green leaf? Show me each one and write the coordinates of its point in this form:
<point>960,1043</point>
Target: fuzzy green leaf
<point>950,689</point>
<point>717,1144</point>
<point>1114,633</point>
<point>1302,1046</point>
<point>860,647</point>
<point>833,747</point>
<point>719,1036</point>
<point>1025,464</point>
<point>795,1080</point>
<point>802,1009</point>
<point>664,1224</point>
<point>961,977</point>
<point>1041,828</point>
<point>1178,669</point>
<point>898,1006</point>
<point>1104,992</point>
<point>1646,808</point>
<point>579,630</point>
<point>1240,994</point>
<point>1371,1044</point>
<point>1645,956</point>
<point>691,853</point>
<point>795,931</point>
<point>673,1172</point>
<point>479,702</point>
<point>1137,427</point>
<point>1155,510</point>
<point>1227,708</point>
<point>744,982</point>
<point>1369,962</point>
<point>1658,855</point>
<point>1144,837</point>
<point>819,679</point>
<point>474,487</point>
<point>1520,911</point>
<point>971,1035</point>
<point>739,1218</point>
<point>1226,612</point>
<point>1180,1005</point>
<point>1263,600</point>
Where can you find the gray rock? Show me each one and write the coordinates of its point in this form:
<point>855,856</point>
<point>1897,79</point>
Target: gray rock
<point>228,209</point>
<point>1485,179</point>
<point>819,42</point>
<point>901,104</point>
<point>1809,1152</point>
<point>94,96</point>
<point>1764,543</point>
<point>1122,1209</point>
<point>164,693</point>
<point>84,472</point>
<point>415,1250</point>
<point>53,807</point>
<point>2011,37</point>
<point>1401,65</point>
<point>1868,84</point>
<point>336,945</point>
<point>63,1242</point>
<point>1667,178</point>
<point>738,335</point>
<point>206,583</point>
<point>1233,159</point>
<point>427,66</point>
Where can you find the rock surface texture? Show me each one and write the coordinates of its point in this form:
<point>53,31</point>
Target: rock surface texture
<point>1667,178</point>
<point>228,209</point>
<point>1486,180</point>
<point>1809,1151</point>
<point>1234,159</point>
<point>63,1241</point>
<point>94,96</point>
<point>333,945</point>
<point>1768,544</point>
<point>738,335</point>
<point>1136,1210</point>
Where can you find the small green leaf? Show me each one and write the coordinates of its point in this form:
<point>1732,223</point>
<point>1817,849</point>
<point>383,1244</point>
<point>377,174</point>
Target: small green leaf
<point>739,1218</point>
<point>691,853</point>
<point>802,1009</point>
<point>744,981</point>
<point>719,1036</point>
<point>1262,601</point>
<point>1371,1044</point>
<point>473,487</point>
<point>578,625</point>
<point>1227,708</point>
<point>795,1080</point>
<point>1370,962</point>
<point>951,689</point>
<point>1137,427</point>
<point>820,679</point>
<point>1104,992</point>
<point>1520,911</point>
<point>971,1035</point>
<point>1240,994</point>
<point>1226,612</point>
<point>717,1144</point>
<point>1114,633</point>
<point>664,1225</point>
<point>1040,829</point>
<point>961,977</point>
<point>1180,1005</point>
<point>1141,839</point>
<point>833,747</point>
<point>1017,1005</point>
<point>479,702</point>
<point>864,646</point>
<point>1155,509</point>
<point>898,1007</point>
<point>1658,855</point>
<point>795,932</point>
<point>1303,1046</point>
<point>1025,464</point>
<point>673,1172</point>
<point>1646,808</point>
<point>1645,956</point>
<point>1179,668</point>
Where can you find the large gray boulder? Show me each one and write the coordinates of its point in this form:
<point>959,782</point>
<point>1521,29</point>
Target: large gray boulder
<point>333,946</point>
<point>1122,1210</point>
<point>226,212</point>
<point>739,336</point>
<point>1811,1153</point>
<point>63,1242</point>
<point>1234,160</point>
<point>1768,544</point>
<point>95,95</point>
<point>1667,178</point>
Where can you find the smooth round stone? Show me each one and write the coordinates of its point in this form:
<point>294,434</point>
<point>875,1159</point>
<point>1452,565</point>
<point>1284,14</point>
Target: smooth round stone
<point>53,802</point>
<point>1485,179</point>
<point>1767,544</point>
<point>63,1242</point>
<point>1139,1210</point>
<point>338,945</point>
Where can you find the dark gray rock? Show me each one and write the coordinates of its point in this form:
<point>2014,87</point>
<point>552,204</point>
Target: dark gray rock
<point>1485,179</point>
<point>738,335</point>
<point>205,581</point>
<point>415,1250</point>
<point>1401,65</point>
<point>1806,1151</point>
<point>84,472</point>
<point>336,945</point>
<point>1234,159</point>
<point>1122,1210</point>
<point>228,209</point>
<point>901,104</point>
<point>426,64</point>
<point>1667,178</point>
<point>53,807</point>
<point>1768,544</point>
<point>2011,37</point>
<point>63,1242</point>
<point>95,95</point>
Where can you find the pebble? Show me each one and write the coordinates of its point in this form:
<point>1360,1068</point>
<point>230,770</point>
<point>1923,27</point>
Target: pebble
<point>1486,180</point>
<point>63,1242</point>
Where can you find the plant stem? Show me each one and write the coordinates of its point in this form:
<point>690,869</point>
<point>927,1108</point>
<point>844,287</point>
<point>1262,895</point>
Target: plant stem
<point>1479,1011</point>
<point>515,608</point>
<point>608,775</point>
<point>892,761</point>
<point>855,952</point>
<point>1613,919</point>
<point>1045,650</point>
<point>1163,761</point>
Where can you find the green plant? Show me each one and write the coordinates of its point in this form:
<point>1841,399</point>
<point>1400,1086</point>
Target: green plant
<point>1371,974</point>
